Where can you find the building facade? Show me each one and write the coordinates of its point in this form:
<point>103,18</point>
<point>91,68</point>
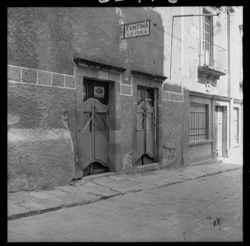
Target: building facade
<point>84,97</point>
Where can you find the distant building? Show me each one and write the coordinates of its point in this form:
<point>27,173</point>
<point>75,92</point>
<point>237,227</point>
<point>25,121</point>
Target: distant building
<point>120,89</point>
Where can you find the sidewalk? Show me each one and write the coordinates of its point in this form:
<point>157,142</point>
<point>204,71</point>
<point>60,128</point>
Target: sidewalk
<point>103,186</point>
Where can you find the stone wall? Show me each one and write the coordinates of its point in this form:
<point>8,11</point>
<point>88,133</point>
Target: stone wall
<point>41,107</point>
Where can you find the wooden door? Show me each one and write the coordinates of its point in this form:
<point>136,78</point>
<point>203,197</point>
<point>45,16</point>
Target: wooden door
<point>220,112</point>
<point>93,127</point>
<point>146,126</point>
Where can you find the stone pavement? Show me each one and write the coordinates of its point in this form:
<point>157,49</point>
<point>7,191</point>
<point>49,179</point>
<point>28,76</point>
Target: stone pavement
<point>103,186</point>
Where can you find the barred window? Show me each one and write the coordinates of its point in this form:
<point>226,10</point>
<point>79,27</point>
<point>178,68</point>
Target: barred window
<point>236,125</point>
<point>198,122</point>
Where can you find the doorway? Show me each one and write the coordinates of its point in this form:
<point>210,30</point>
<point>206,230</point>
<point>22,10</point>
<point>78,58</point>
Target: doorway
<point>220,121</point>
<point>93,127</point>
<point>146,125</point>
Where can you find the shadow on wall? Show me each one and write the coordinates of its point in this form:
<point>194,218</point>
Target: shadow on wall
<point>175,128</point>
<point>172,87</point>
<point>40,147</point>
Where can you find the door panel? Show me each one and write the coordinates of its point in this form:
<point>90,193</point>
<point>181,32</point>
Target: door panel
<point>140,133</point>
<point>85,154</point>
<point>93,131</point>
<point>150,130</point>
<point>219,131</point>
<point>145,132</point>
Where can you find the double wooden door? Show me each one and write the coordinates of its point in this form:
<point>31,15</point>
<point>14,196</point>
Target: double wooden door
<point>93,125</point>
<point>220,116</point>
<point>146,126</point>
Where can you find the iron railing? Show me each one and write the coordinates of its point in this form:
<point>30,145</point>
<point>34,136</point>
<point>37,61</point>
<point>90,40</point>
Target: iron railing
<point>214,56</point>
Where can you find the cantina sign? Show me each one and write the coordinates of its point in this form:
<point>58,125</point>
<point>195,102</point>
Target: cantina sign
<point>138,29</point>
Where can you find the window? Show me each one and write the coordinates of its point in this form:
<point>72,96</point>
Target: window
<point>207,23</point>
<point>236,126</point>
<point>198,122</point>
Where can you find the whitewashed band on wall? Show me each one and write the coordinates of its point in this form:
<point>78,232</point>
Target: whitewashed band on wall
<point>24,75</point>
<point>126,90</point>
<point>172,96</point>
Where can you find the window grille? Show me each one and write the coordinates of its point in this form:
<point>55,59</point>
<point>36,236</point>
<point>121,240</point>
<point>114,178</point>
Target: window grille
<point>198,122</point>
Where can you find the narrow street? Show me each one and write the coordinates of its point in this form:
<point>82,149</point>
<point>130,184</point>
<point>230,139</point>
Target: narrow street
<point>204,209</point>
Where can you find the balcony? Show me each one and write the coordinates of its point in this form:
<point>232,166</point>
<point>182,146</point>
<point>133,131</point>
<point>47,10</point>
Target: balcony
<point>212,63</point>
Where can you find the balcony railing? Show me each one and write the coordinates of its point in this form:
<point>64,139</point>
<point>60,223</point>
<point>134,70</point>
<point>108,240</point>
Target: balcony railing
<point>215,57</point>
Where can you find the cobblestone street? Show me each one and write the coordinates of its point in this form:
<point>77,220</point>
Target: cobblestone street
<point>204,209</point>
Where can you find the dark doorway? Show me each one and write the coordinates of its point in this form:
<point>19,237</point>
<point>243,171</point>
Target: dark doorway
<point>146,126</point>
<point>220,126</point>
<point>93,128</point>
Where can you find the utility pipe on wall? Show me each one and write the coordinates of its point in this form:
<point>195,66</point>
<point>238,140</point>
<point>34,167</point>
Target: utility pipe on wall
<point>171,46</point>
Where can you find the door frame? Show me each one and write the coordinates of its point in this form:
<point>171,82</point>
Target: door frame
<point>86,87</point>
<point>145,120</point>
<point>86,69</point>
<point>156,84</point>
<point>225,129</point>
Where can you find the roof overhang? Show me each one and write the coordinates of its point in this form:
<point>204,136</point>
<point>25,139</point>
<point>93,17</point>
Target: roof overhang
<point>98,65</point>
<point>140,74</point>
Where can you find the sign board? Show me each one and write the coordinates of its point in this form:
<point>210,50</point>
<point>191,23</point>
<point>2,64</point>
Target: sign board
<point>138,29</point>
<point>99,91</point>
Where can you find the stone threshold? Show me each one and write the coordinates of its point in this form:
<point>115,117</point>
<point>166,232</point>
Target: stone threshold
<point>148,167</point>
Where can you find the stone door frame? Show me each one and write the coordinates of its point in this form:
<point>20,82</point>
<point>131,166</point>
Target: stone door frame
<point>155,82</point>
<point>86,69</point>
<point>224,128</point>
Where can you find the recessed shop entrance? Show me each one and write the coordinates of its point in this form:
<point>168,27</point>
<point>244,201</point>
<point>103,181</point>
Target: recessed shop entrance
<point>220,126</point>
<point>93,127</point>
<point>146,126</point>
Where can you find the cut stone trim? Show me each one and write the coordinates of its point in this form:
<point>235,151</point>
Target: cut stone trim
<point>29,75</point>
<point>24,83</point>
<point>24,75</point>
<point>98,65</point>
<point>140,74</point>
<point>14,73</point>
<point>172,96</point>
<point>44,78</point>
<point>126,90</point>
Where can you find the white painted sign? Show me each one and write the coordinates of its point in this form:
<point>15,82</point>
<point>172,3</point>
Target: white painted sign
<point>99,91</point>
<point>138,29</point>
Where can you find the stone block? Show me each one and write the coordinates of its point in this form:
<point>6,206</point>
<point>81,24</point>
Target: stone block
<point>103,75</point>
<point>176,97</point>
<point>29,75</point>
<point>126,90</point>
<point>79,80</point>
<point>114,77</point>
<point>14,73</point>
<point>70,81</point>
<point>44,78</point>
<point>165,95</point>
<point>117,88</point>
<point>57,79</point>
<point>90,72</point>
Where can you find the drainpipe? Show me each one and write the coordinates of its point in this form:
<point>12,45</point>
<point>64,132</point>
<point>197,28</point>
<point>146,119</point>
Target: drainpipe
<point>229,80</point>
<point>171,46</point>
<point>171,52</point>
<point>228,54</point>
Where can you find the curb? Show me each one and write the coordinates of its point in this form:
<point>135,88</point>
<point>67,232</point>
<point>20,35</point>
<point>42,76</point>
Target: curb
<point>80,203</point>
<point>42,211</point>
